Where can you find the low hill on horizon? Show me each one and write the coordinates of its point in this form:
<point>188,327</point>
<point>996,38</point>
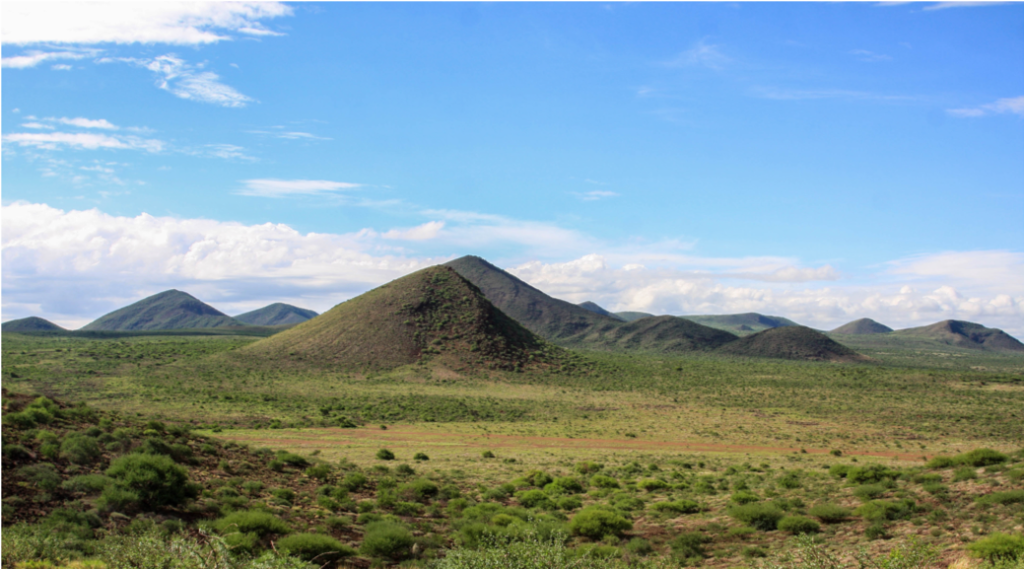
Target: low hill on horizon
<point>570,325</point>
<point>594,307</point>
<point>741,324</point>
<point>965,334</point>
<point>862,326</point>
<point>168,310</point>
<point>791,343</point>
<point>629,316</point>
<point>277,314</point>
<point>431,315</point>
<point>30,324</point>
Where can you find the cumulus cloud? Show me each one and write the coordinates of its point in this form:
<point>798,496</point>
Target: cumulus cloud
<point>86,123</point>
<point>271,188</point>
<point>1012,105</point>
<point>180,23</point>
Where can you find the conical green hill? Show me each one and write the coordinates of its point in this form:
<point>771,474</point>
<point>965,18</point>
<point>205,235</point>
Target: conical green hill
<point>168,310</point>
<point>862,326</point>
<point>965,334</point>
<point>741,323</point>
<point>433,314</point>
<point>276,314</point>
<point>791,343</point>
<point>30,324</point>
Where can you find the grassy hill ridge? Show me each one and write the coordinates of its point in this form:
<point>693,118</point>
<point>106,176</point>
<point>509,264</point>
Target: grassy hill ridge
<point>791,342</point>
<point>862,326</point>
<point>277,314</point>
<point>741,324</point>
<point>168,310</point>
<point>965,334</point>
<point>30,324</point>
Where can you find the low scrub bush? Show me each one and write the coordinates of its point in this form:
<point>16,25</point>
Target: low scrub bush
<point>798,524</point>
<point>42,475</point>
<point>764,517</point>
<point>534,499</point>
<point>79,449</point>
<point>830,513</point>
<point>744,497</point>
<point>420,490</point>
<point>309,546</point>
<point>387,540</point>
<point>689,545</point>
<point>871,473</point>
<point>252,521</point>
<point>87,483</point>
<point>602,481</point>
<point>354,481</point>
<point>998,547</point>
<point>564,485</point>
<point>884,510</point>
<point>319,471</point>
<point>385,454</point>
<point>292,459</point>
<point>156,479</point>
<point>869,492</point>
<point>596,521</point>
<point>964,473</point>
<point>677,507</point>
<point>981,457</point>
<point>1008,497</point>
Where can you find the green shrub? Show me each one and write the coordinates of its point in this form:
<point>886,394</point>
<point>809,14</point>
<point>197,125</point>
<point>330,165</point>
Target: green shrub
<point>1008,497</point>
<point>569,502</point>
<point>839,470</point>
<point>639,546</point>
<point>981,457</point>
<point>284,494</point>
<point>154,445</point>
<point>689,545</point>
<point>538,478</point>
<point>385,454</point>
<point>764,517</point>
<point>564,485</point>
<point>292,459</point>
<point>876,530</point>
<point>252,521</point>
<point>79,449</point>
<point>115,498</point>
<point>625,502</point>
<point>744,497</point>
<point>871,473</point>
<point>964,473</point>
<point>156,479</point>
<point>86,483</point>
<point>882,510</point>
<point>829,513</point>
<point>242,543</point>
<point>534,499</point>
<point>651,484</point>
<point>420,490</point>
<point>789,480</point>
<point>404,470</point>
<point>998,547</point>
<point>354,481</point>
<point>754,551</point>
<point>41,475</point>
<point>935,487</point>
<point>941,462</point>
<point>308,546</point>
<point>19,419</point>
<point>602,481</point>
<point>798,524</point>
<point>16,452</point>
<point>420,456</point>
<point>487,454</point>
<point>677,507</point>
<point>319,471</point>
<point>598,521</point>
<point>869,491</point>
<point>388,540</point>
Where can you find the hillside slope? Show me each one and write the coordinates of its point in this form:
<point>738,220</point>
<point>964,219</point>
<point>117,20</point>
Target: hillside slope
<point>30,324</point>
<point>741,324</point>
<point>791,343</point>
<point>276,314</point>
<point>433,314</point>
<point>570,325</point>
<point>596,308</point>
<point>631,316</point>
<point>965,334</point>
<point>862,326</point>
<point>168,310</point>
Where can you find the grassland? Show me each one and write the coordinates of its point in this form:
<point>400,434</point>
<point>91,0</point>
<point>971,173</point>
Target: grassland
<point>708,427</point>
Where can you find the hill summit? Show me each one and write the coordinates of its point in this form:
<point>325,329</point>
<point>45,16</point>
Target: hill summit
<point>741,323</point>
<point>431,315</point>
<point>596,308</point>
<point>792,343</point>
<point>277,314</point>
<point>861,327</point>
<point>965,334</point>
<point>168,310</point>
<point>30,324</point>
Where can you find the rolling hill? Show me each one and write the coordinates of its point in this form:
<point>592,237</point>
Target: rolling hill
<point>862,326</point>
<point>594,307</point>
<point>741,324</point>
<point>431,315</point>
<point>277,314</point>
<point>631,316</point>
<point>791,343</point>
<point>168,310</point>
<point>570,325</point>
<point>964,334</point>
<point>30,324</point>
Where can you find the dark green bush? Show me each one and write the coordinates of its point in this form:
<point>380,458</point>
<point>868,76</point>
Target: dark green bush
<point>354,481</point>
<point>420,456</point>
<point>404,470</point>
<point>285,494</point>
<point>16,452</point>
<point>981,457</point>
<point>319,471</point>
<point>408,509</point>
<point>42,475</point>
<point>156,479</point>
<point>569,502</point>
<point>564,485</point>
<point>625,502</point>
<point>534,499</point>
<point>677,507</point>
<point>420,490</point>
<point>639,546</point>
<point>964,473</point>
<point>744,497</point>
<point>115,498</point>
<point>764,517</point>
<point>387,540</point>
<point>940,462</point>
<point>830,513</point>
<point>882,510</point>
<point>79,449</point>
<point>798,524</point>
<point>538,478</point>
<point>754,551</point>
<point>292,459</point>
<point>602,481</point>
<point>385,454</point>
<point>689,545</point>
<point>1008,497</point>
<point>839,470</point>
<point>308,546</point>
<point>598,521</point>
<point>252,521</point>
<point>869,491</point>
<point>871,473</point>
<point>789,480</point>
<point>87,483</point>
<point>651,484</point>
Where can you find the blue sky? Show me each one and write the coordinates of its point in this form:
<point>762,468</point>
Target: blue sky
<point>822,162</point>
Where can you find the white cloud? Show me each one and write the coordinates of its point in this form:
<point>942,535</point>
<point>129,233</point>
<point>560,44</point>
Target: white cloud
<point>33,58</point>
<point>61,67</point>
<point>971,4</point>
<point>595,195</point>
<point>190,82</point>
<point>702,55</point>
<point>37,125</point>
<point>86,123</point>
<point>486,230</point>
<point>429,230</point>
<point>82,140</point>
<point>180,23</point>
<point>289,135</point>
<point>1012,105</point>
<point>270,188</point>
<point>225,151</point>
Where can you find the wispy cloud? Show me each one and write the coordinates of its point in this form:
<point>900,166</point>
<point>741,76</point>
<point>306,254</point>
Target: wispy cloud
<point>179,23</point>
<point>86,123</point>
<point>288,135</point>
<point>225,151</point>
<point>946,5</point>
<point>61,67</point>
<point>271,188</point>
<point>703,55</point>
<point>786,94</point>
<point>595,195</point>
<point>429,230</point>
<point>190,82</point>
<point>869,56</point>
<point>33,58</point>
<point>1012,105</point>
<point>82,140</point>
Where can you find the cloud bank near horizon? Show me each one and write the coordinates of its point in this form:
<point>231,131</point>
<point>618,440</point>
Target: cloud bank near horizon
<point>73,266</point>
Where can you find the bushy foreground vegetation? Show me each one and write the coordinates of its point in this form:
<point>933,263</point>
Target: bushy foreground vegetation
<point>84,488</point>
